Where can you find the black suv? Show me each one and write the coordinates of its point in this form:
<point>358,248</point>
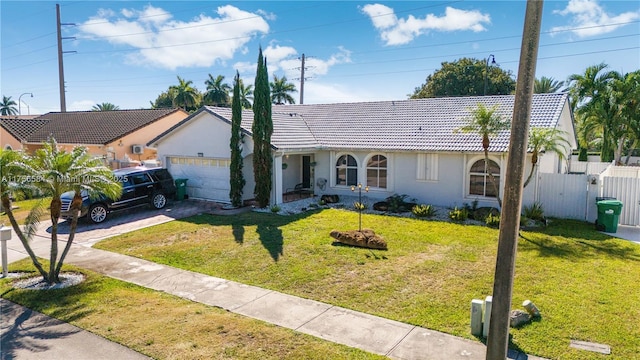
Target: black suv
<point>140,186</point>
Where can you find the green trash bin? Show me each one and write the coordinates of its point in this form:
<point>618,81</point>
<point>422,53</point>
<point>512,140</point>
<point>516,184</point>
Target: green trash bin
<point>181,188</point>
<point>608,214</point>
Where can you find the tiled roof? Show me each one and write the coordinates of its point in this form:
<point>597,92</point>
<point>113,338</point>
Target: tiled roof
<point>404,125</point>
<point>20,127</point>
<point>94,127</point>
<point>420,124</point>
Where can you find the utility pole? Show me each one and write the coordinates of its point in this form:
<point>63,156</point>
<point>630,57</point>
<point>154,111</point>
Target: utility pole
<point>302,81</point>
<point>498,337</point>
<point>63,101</point>
<point>302,78</point>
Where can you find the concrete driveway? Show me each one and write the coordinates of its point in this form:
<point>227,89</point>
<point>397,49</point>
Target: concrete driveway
<point>87,234</point>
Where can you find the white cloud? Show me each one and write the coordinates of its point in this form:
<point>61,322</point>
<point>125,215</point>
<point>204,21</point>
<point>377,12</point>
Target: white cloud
<point>588,18</point>
<point>164,42</point>
<point>82,105</point>
<point>317,92</point>
<point>286,59</point>
<point>399,31</point>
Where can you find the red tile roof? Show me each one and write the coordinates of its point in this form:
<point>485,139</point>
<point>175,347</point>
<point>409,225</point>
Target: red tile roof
<point>20,128</point>
<point>94,127</point>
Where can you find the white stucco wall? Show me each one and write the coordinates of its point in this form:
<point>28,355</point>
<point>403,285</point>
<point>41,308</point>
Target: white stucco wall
<point>209,136</point>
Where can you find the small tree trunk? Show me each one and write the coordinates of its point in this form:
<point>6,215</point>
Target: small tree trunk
<point>6,203</point>
<point>56,207</point>
<point>76,206</point>
<point>496,188</point>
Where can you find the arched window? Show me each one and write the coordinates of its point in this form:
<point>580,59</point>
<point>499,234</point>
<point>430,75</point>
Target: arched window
<point>346,171</point>
<point>479,180</point>
<point>8,147</point>
<point>377,171</point>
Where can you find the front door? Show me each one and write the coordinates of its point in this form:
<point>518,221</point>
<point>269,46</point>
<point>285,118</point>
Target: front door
<point>306,171</point>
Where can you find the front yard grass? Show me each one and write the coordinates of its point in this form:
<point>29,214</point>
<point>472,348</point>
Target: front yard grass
<point>585,283</point>
<point>164,326</point>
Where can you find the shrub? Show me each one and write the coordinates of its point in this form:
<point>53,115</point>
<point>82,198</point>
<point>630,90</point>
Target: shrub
<point>397,204</point>
<point>423,211</point>
<point>458,214</point>
<point>534,211</point>
<point>471,208</point>
<point>493,221</point>
<point>275,208</point>
<point>359,206</point>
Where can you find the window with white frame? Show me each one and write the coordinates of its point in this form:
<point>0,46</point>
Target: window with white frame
<point>427,167</point>
<point>479,179</point>
<point>377,171</point>
<point>346,171</point>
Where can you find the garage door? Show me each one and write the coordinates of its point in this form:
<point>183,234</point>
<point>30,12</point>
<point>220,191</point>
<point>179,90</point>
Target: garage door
<point>208,178</point>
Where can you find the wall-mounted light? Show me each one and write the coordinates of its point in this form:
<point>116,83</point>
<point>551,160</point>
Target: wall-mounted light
<point>120,143</point>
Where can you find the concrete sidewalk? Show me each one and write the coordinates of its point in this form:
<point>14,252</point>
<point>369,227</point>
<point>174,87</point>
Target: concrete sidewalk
<point>367,332</point>
<point>28,334</point>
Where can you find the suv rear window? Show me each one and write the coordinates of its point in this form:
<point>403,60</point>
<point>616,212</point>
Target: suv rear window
<point>161,175</point>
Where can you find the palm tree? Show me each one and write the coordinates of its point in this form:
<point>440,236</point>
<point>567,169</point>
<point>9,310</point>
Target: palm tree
<point>624,98</point>
<point>105,107</point>
<point>546,85</point>
<point>217,91</point>
<point>184,94</point>
<point>57,171</point>
<point>11,186</point>
<point>280,91</point>
<point>486,123</point>
<point>542,140</point>
<point>246,95</point>
<point>589,92</point>
<point>8,106</point>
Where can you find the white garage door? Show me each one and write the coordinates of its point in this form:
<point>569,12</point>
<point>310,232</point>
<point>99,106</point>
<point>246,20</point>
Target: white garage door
<point>208,178</point>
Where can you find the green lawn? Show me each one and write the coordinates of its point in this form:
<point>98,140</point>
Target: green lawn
<point>167,327</point>
<point>585,283</point>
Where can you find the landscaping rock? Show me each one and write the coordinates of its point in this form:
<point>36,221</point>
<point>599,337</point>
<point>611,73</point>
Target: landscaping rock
<point>366,238</point>
<point>330,199</point>
<point>518,318</point>
<point>381,206</point>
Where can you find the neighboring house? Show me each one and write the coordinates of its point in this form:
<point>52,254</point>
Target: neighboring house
<point>118,136</point>
<point>394,147</point>
<point>15,129</point>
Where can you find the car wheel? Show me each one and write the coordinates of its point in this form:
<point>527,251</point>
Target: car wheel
<point>158,200</point>
<point>98,213</point>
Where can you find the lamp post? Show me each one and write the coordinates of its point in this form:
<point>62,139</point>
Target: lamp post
<point>366,189</point>
<point>486,71</point>
<point>20,102</point>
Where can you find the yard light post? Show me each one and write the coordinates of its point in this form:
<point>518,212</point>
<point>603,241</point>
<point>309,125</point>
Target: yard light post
<point>20,102</point>
<point>366,189</point>
<point>486,71</point>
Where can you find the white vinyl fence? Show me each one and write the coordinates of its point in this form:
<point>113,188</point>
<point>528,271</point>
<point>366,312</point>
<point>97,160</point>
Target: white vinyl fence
<point>573,196</point>
<point>566,196</point>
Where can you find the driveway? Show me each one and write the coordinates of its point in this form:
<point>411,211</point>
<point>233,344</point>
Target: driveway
<point>87,234</point>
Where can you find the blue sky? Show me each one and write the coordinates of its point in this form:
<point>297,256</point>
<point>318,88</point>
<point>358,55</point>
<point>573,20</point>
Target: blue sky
<point>128,52</point>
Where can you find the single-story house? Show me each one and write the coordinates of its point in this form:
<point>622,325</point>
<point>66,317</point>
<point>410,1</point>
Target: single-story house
<point>118,136</point>
<point>392,147</point>
<point>14,129</point>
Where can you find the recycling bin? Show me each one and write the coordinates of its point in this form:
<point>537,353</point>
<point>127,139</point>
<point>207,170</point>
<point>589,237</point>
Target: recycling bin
<point>608,214</point>
<point>181,188</point>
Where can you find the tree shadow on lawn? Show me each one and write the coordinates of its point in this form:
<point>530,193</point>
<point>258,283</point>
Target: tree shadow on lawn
<point>27,330</point>
<point>267,225</point>
<point>577,239</point>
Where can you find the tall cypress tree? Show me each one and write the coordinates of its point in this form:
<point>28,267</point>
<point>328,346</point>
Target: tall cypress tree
<point>236,178</point>
<point>262,129</point>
